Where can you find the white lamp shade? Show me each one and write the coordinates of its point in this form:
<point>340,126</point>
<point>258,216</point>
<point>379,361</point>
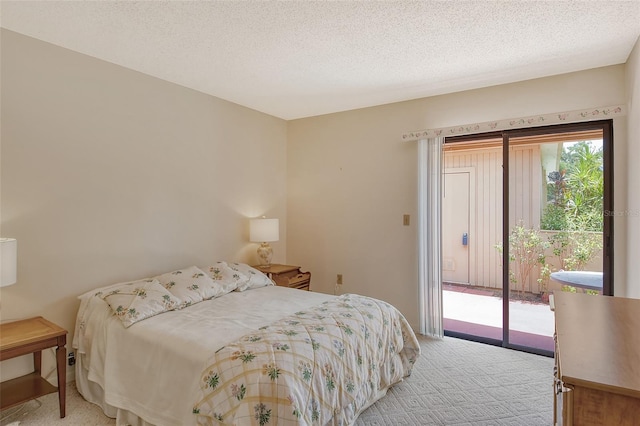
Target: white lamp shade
<point>264,230</point>
<point>8,261</point>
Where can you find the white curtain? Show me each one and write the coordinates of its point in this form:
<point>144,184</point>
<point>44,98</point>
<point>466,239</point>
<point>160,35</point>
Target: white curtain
<point>429,238</point>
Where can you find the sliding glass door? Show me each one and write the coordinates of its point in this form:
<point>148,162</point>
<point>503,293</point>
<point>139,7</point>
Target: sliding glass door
<point>523,216</point>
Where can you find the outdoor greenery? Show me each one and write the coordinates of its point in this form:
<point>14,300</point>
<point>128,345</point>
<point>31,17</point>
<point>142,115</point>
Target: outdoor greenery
<point>575,192</point>
<point>526,252</point>
<point>554,218</point>
<point>574,211</point>
<point>575,204</point>
<point>574,249</point>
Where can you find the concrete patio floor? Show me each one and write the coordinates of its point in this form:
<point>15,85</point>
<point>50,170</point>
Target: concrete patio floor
<point>486,310</point>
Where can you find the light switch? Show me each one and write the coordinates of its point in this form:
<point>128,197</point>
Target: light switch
<point>406,220</point>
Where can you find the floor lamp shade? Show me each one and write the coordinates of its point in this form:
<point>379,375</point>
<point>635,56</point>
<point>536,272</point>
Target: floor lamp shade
<point>8,261</point>
<point>263,231</point>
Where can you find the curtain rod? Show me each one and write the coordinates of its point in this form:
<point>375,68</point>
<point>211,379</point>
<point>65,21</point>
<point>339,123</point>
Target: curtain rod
<point>576,116</point>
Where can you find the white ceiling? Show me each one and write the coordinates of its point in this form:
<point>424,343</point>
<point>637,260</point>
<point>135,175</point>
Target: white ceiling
<point>297,59</point>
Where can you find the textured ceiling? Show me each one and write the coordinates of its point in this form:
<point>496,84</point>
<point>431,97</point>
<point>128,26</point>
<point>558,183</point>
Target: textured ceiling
<point>301,58</point>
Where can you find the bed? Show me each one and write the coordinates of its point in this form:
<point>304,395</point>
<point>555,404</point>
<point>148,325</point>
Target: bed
<point>223,345</point>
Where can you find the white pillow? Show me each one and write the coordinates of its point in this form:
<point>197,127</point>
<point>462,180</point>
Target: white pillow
<point>190,285</point>
<point>228,278</point>
<point>256,277</point>
<point>137,300</point>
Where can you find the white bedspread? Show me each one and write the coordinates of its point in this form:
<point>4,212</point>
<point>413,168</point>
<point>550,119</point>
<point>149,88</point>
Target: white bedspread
<point>115,364</point>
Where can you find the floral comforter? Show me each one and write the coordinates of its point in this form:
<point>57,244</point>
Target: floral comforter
<point>320,366</point>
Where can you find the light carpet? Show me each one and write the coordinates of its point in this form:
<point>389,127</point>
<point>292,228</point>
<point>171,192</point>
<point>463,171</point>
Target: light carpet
<point>454,382</point>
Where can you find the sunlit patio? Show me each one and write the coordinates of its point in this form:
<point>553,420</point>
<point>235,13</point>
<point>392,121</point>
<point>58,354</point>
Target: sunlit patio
<point>478,312</point>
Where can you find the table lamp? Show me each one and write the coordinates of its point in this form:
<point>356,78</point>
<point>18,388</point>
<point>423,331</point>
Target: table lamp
<point>263,231</point>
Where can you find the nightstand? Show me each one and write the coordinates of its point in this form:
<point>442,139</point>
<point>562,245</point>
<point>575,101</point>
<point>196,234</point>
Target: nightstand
<point>32,336</point>
<point>287,276</point>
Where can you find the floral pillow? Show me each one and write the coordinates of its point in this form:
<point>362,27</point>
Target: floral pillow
<point>190,285</point>
<point>137,300</point>
<point>256,278</point>
<point>227,277</point>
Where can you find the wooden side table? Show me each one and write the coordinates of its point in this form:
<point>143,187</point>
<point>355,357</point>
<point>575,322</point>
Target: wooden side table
<point>32,336</point>
<point>287,276</point>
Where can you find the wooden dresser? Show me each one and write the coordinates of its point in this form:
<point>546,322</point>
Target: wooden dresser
<point>597,360</point>
<point>287,276</point>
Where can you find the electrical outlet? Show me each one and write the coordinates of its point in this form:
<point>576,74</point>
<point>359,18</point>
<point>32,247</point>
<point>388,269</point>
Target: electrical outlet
<point>339,279</point>
<point>71,358</point>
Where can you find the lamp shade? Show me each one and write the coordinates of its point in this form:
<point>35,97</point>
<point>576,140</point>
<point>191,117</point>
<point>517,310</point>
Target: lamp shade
<point>8,261</point>
<point>264,230</point>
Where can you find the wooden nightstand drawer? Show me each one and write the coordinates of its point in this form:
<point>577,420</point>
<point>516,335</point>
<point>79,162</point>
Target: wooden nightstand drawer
<point>284,278</point>
<point>301,281</point>
<point>287,276</point>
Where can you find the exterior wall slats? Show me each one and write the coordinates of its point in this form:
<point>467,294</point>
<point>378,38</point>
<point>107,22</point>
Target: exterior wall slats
<point>526,175</point>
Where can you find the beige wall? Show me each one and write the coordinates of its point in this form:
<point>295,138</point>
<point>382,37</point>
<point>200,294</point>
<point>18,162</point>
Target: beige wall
<point>351,178</point>
<point>111,175</point>
<point>633,160</point>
